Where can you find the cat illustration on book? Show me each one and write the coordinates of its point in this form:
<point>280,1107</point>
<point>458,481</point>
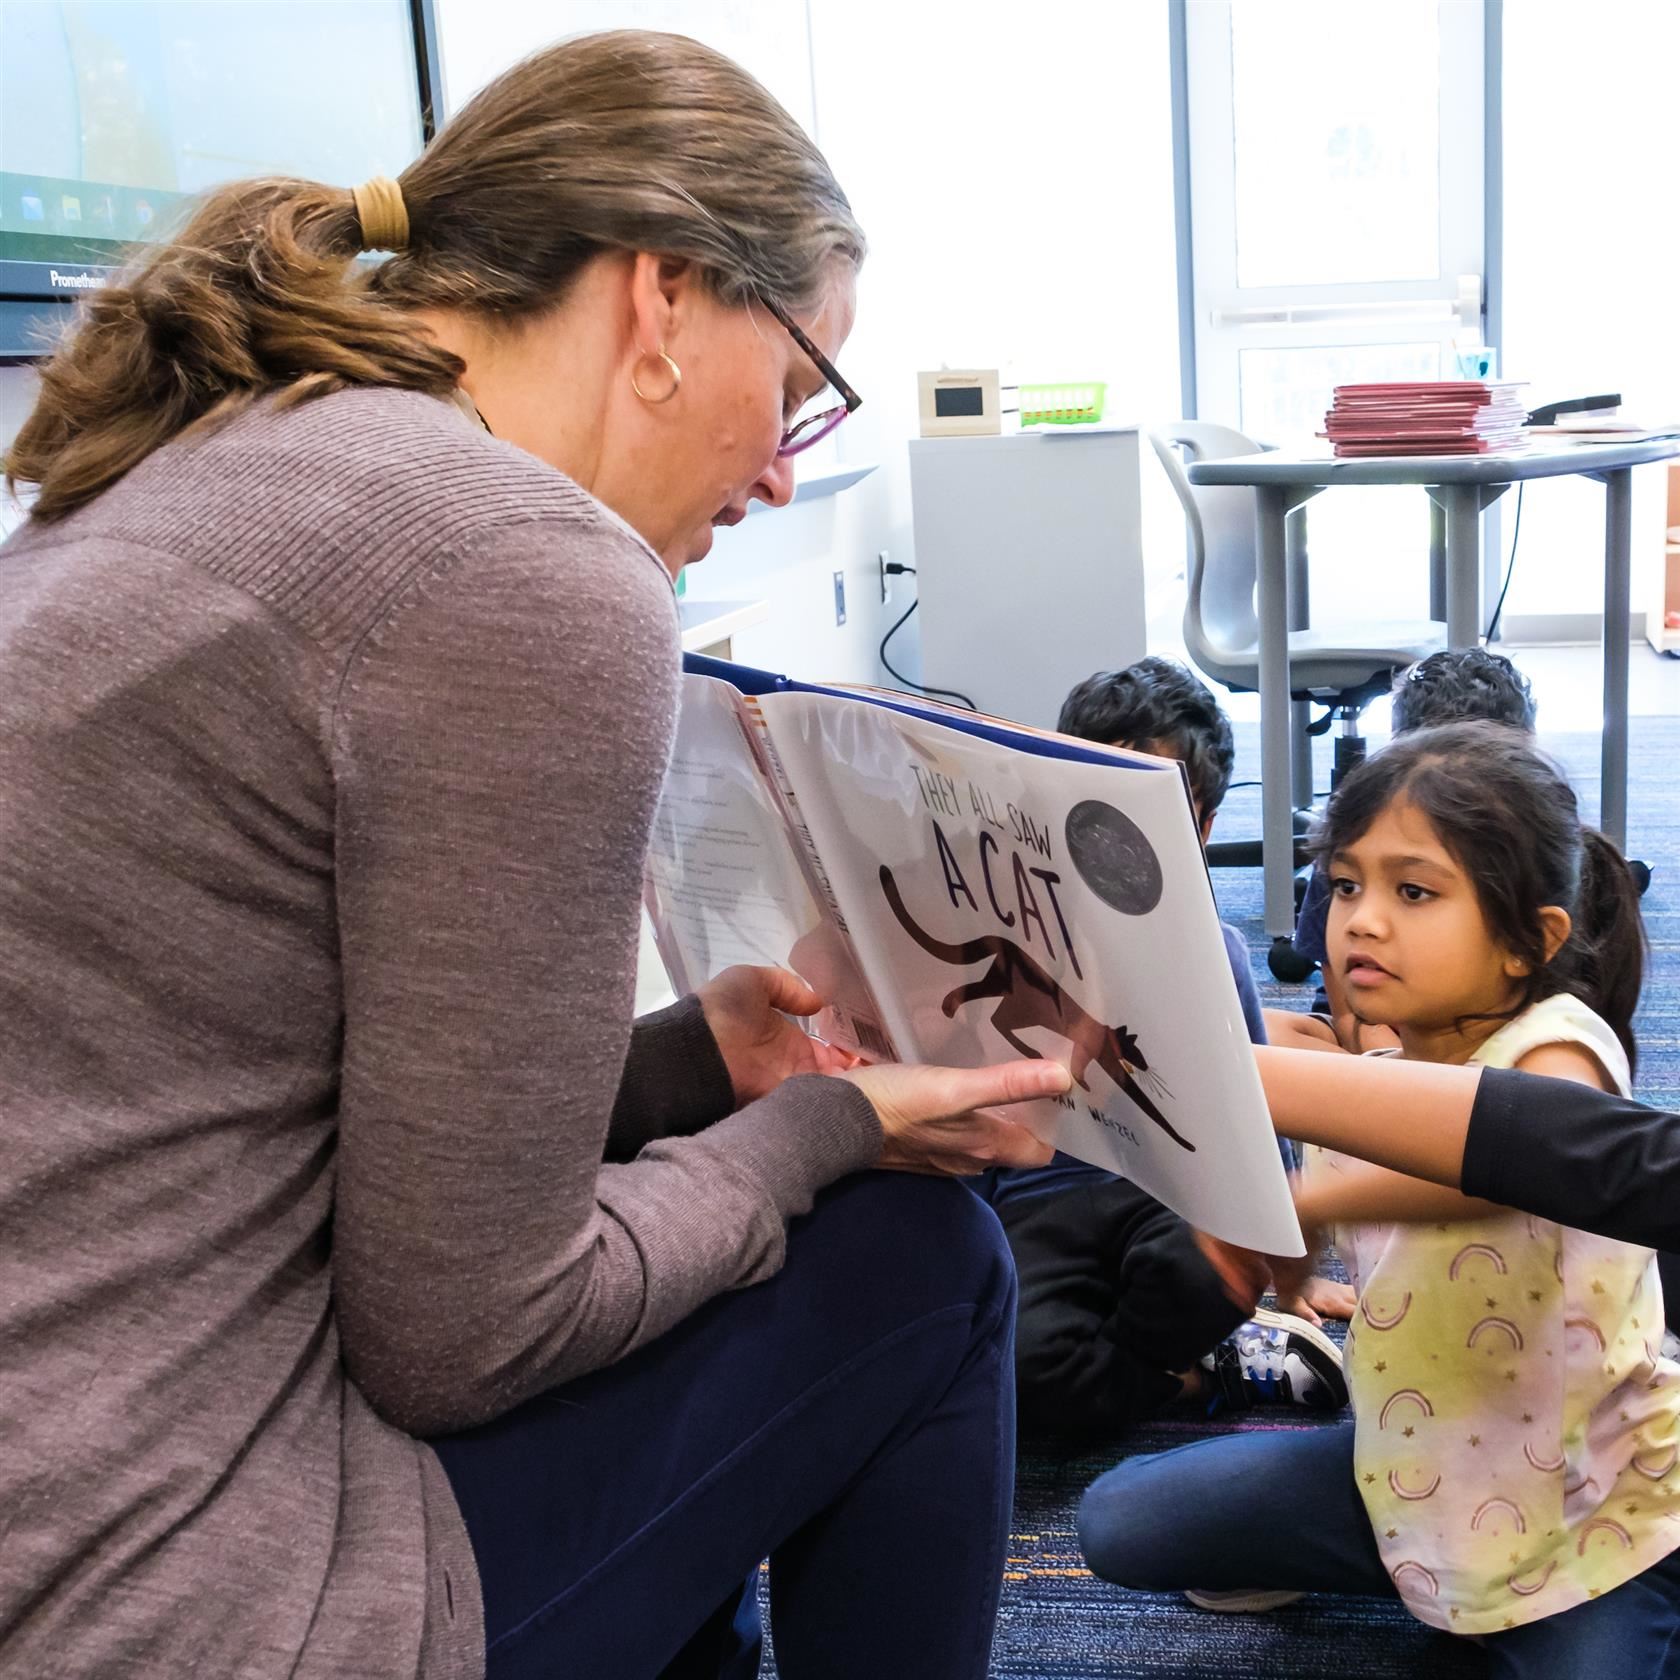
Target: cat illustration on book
<point>1028,997</point>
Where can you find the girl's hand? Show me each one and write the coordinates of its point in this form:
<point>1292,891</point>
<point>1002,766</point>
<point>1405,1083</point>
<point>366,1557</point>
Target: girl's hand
<point>1289,1029</point>
<point>747,1010</point>
<point>931,1120</point>
<point>1350,1032</point>
<point>1359,1038</point>
<point>1291,1276</point>
<point>1245,1275</point>
<point>1320,1299</point>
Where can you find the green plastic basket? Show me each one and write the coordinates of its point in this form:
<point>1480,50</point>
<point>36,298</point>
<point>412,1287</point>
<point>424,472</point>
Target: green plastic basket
<point>1079,404</point>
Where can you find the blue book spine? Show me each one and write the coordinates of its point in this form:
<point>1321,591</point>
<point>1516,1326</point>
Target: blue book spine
<point>752,681</point>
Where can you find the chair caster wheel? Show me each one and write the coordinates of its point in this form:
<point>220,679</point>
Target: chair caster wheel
<point>1286,963</point>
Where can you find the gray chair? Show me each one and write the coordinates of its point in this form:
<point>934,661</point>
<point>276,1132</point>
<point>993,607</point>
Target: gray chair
<point>1342,666</point>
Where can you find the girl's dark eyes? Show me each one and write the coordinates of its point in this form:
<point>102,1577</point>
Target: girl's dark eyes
<point>1344,886</point>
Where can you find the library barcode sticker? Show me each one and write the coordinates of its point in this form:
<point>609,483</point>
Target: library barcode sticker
<point>863,1032</point>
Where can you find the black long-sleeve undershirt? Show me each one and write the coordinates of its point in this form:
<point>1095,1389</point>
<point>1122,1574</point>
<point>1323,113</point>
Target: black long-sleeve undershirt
<point>1585,1158</point>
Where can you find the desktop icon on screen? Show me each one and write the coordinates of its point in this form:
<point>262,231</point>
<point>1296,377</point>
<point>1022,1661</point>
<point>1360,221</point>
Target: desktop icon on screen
<point>72,208</point>
<point>32,207</point>
<point>143,211</point>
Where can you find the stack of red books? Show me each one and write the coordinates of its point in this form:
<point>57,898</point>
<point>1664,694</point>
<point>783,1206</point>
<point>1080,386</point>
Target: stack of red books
<point>1440,417</point>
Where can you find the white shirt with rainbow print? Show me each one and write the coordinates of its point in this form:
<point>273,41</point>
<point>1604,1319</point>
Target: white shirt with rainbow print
<point>1517,1436</point>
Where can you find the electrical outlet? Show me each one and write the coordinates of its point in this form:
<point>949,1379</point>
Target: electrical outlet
<point>839,597</point>
<point>886,578</point>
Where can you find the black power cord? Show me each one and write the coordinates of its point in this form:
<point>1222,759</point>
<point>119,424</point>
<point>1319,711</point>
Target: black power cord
<point>894,569</point>
<point>1545,416</point>
<point>1510,568</point>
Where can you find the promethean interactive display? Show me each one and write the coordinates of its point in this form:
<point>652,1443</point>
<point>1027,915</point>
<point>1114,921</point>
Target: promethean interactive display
<point>115,113</point>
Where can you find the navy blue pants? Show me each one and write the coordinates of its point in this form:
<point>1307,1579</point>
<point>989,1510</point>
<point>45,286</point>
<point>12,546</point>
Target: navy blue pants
<point>852,1420</point>
<point>1281,1509</point>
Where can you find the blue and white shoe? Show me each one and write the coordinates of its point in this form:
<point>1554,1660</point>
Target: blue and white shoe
<point>1276,1359</point>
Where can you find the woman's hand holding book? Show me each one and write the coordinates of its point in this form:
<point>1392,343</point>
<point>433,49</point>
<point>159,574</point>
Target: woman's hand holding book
<point>937,1119</point>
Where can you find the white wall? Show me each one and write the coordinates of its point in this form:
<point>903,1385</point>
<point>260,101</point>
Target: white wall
<point>1592,259</point>
<point>1013,171</point>
<point>1013,174</point>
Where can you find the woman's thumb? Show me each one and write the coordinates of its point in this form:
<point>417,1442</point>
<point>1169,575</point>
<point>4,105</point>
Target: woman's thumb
<point>786,992</point>
<point>1005,1082</point>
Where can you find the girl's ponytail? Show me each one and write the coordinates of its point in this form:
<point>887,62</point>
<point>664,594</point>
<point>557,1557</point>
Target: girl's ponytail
<point>253,295</point>
<point>1603,962</point>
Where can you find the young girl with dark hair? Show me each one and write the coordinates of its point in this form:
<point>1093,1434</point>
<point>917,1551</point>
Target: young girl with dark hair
<point>1511,1471</point>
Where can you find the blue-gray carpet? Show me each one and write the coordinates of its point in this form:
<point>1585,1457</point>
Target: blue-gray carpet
<point>1056,1620</point>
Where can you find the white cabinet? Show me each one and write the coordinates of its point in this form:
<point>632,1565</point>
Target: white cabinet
<point>1029,563</point>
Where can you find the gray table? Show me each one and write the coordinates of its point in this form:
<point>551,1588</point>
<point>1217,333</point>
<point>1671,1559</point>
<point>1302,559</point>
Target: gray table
<point>1460,487</point>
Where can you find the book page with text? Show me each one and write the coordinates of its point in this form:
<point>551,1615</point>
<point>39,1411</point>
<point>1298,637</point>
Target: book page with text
<point>725,883</point>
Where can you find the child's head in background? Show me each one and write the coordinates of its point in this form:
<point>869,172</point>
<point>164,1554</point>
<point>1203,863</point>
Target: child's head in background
<point>1158,706</point>
<point>1457,687</point>
<point>1464,891</point>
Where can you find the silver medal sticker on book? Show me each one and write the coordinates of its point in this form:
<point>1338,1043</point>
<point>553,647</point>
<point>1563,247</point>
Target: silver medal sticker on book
<point>981,890</point>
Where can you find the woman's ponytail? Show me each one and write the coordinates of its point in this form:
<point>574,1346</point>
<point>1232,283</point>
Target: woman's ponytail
<point>254,294</point>
<point>1604,959</point>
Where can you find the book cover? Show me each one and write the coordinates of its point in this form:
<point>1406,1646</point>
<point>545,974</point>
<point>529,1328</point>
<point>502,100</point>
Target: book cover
<point>964,891</point>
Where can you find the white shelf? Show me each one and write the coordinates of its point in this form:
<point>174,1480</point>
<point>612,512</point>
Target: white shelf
<point>706,623</point>
<point>821,484</point>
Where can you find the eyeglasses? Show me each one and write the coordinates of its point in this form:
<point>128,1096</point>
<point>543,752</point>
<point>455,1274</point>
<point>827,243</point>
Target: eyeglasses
<point>813,428</point>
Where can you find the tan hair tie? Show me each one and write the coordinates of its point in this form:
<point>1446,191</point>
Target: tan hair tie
<point>382,213</point>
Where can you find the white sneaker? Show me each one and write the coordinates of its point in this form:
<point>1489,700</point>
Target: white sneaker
<point>1279,1359</point>
<point>1253,1600</point>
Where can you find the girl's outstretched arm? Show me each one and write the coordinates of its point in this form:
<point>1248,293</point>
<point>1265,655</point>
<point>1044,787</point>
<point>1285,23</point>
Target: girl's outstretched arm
<point>1547,1146</point>
<point>1362,1194</point>
<point>1412,1116</point>
<point>1368,1195</point>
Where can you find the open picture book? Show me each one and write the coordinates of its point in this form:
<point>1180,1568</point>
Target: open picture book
<point>961,891</point>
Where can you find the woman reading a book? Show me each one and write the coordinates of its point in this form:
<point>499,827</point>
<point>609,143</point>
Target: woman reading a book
<point>371,1300</point>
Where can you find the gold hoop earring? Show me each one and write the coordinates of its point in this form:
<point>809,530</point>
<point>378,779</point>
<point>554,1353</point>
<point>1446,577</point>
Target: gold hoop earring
<point>676,379</point>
